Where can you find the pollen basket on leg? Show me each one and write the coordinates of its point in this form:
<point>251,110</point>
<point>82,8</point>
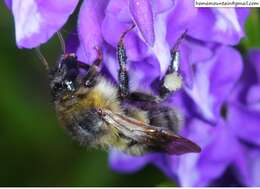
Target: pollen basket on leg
<point>173,81</point>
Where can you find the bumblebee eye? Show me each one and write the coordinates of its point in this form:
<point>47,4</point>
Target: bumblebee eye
<point>70,85</point>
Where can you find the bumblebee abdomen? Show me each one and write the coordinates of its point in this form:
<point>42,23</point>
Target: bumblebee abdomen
<point>165,117</point>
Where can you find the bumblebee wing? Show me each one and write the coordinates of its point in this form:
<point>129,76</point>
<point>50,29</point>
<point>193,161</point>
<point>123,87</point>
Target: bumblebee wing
<point>158,139</point>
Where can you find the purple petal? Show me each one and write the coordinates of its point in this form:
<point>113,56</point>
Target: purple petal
<point>161,48</point>
<point>215,159</point>
<point>164,42</point>
<point>219,25</point>
<point>111,23</point>
<point>89,27</point>
<point>110,61</point>
<point>242,14</point>
<point>201,133</point>
<point>8,4</point>
<point>167,164</point>
<point>244,123</point>
<point>139,79</point>
<point>224,74</point>
<point>186,64</point>
<point>200,91</point>
<point>246,89</point>
<point>211,163</point>
<point>213,81</point>
<point>254,58</point>
<point>118,18</point>
<point>136,49</point>
<point>242,168</point>
<point>192,52</point>
<point>142,13</point>
<point>254,163</point>
<point>120,9</point>
<point>179,19</point>
<point>125,163</point>
<point>34,23</point>
<point>160,6</point>
<point>253,97</point>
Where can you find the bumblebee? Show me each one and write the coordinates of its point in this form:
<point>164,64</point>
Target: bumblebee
<point>97,113</point>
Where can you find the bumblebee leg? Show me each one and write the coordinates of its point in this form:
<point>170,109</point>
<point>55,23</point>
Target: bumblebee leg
<point>172,81</point>
<point>122,60</point>
<point>158,114</point>
<point>83,65</point>
<point>92,70</point>
<point>99,59</point>
<point>143,101</point>
<point>143,97</point>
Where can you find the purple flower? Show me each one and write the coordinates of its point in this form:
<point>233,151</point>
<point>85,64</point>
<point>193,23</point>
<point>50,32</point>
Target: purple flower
<point>244,114</point>
<point>37,20</point>
<point>159,24</point>
<point>214,116</point>
<point>230,155</point>
<point>96,18</point>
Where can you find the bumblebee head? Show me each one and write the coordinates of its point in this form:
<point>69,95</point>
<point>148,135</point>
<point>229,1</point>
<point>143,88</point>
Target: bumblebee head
<point>63,76</point>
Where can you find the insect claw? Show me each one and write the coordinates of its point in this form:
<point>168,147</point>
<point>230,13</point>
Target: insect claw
<point>99,111</point>
<point>126,32</point>
<point>99,53</point>
<point>179,40</point>
<point>99,59</point>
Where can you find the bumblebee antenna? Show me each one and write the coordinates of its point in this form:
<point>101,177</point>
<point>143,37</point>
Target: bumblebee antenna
<point>62,42</point>
<point>42,58</point>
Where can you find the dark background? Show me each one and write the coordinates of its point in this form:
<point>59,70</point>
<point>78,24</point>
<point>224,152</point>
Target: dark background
<point>34,149</point>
